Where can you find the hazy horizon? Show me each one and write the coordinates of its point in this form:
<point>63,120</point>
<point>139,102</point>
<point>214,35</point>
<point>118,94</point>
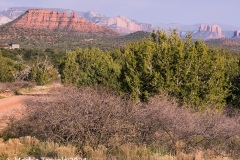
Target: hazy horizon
<point>148,11</point>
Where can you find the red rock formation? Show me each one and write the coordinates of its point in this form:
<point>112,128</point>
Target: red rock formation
<point>210,28</point>
<point>237,33</point>
<point>208,32</point>
<point>47,19</point>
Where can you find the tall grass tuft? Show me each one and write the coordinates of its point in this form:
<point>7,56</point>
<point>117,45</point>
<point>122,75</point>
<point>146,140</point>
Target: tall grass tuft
<point>29,146</point>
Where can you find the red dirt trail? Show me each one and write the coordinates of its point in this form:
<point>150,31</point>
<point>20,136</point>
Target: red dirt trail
<point>13,106</point>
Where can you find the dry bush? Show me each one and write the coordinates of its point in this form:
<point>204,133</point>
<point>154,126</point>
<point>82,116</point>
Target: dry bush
<point>14,87</point>
<point>93,117</point>
<point>162,122</point>
<point>82,117</point>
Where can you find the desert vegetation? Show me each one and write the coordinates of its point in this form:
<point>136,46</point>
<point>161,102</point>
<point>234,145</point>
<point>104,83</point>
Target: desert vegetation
<point>96,119</point>
<point>233,45</point>
<point>29,146</point>
<point>156,97</point>
<point>18,67</point>
<point>196,75</point>
<point>62,40</point>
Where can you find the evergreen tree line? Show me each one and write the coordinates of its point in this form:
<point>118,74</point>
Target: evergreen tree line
<point>194,74</point>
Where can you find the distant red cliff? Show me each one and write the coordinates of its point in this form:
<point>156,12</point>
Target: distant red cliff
<point>52,20</point>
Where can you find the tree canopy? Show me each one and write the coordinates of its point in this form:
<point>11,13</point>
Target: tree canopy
<point>193,73</point>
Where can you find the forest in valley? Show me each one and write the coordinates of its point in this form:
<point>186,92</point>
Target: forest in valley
<point>159,95</point>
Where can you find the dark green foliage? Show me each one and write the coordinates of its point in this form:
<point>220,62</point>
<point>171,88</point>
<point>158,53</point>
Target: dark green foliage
<point>30,55</point>
<point>138,76</point>
<point>90,67</point>
<point>8,69</point>
<point>196,75</point>
<point>193,73</point>
<point>28,64</point>
<point>234,98</point>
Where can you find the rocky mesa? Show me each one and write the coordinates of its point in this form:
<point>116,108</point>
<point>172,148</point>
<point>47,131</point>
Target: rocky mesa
<point>208,32</point>
<point>210,28</point>
<point>236,34</point>
<point>120,24</point>
<point>53,20</point>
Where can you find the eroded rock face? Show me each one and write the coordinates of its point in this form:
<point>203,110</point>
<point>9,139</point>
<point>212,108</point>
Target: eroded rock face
<point>47,19</point>
<point>123,24</point>
<point>237,33</point>
<point>120,24</point>
<point>208,32</point>
<point>210,28</point>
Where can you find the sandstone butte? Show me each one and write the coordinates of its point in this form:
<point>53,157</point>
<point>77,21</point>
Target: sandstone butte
<point>210,28</point>
<point>237,33</point>
<point>52,20</point>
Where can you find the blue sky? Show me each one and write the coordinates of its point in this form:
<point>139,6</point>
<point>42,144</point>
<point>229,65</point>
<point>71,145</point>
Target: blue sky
<point>149,11</point>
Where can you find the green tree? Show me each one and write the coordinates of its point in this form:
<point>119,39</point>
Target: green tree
<point>196,75</point>
<point>90,67</point>
<point>9,69</point>
<point>6,69</point>
<point>42,72</point>
<point>138,76</point>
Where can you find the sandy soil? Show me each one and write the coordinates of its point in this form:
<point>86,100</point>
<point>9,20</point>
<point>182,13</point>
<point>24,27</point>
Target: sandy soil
<point>14,106</point>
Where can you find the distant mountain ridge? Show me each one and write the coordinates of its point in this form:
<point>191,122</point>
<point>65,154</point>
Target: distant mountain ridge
<point>38,28</point>
<point>120,24</point>
<point>124,25</point>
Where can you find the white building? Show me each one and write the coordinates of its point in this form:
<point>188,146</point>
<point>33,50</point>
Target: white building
<point>14,46</point>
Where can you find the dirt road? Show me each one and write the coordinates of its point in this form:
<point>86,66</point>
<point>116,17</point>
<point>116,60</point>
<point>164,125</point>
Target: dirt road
<point>14,106</point>
<point>7,105</point>
<point>10,106</point>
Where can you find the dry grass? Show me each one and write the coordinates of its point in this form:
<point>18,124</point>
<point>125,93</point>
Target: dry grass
<point>23,87</point>
<point>30,146</point>
<point>134,152</point>
<point>1,97</point>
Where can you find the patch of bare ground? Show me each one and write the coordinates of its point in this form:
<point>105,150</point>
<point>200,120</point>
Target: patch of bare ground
<point>12,105</point>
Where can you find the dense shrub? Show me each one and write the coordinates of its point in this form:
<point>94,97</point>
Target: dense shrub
<point>27,65</point>
<point>196,75</point>
<point>8,69</point>
<point>190,71</point>
<point>90,67</point>
<point>234,98</point>
<point>42,74</point>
